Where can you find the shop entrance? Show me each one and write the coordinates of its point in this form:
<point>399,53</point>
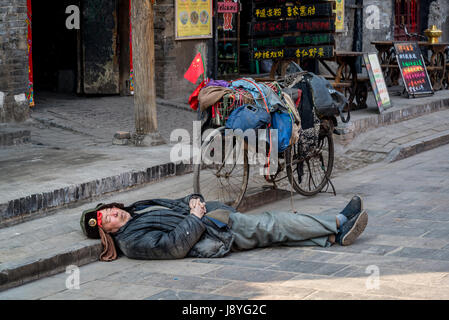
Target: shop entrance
<point>55,59</point>
<point>91,60</point>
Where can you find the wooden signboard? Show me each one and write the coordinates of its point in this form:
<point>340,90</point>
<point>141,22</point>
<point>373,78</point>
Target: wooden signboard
<point>303,52</point>
<point>281,27</point>
<point>377,81</point>
<point>302,29</point>
<point>307,40</point>
<point>413,69</point>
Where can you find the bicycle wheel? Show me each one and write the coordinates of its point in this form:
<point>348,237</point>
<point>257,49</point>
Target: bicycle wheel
<point>223,172</point>
<point>310,175</point>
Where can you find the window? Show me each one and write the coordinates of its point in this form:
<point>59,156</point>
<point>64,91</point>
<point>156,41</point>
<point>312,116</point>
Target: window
<point>406,14</point>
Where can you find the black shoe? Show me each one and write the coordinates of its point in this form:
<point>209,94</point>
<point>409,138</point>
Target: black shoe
<point>352,229</point>
<point>354,207</point>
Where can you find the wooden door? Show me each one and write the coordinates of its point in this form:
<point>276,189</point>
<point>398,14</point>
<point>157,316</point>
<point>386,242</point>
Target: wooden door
<point>99,46</point>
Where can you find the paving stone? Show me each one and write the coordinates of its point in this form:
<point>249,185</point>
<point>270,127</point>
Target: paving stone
<point>421,253</point>
<point>186,295</point>
<point>248,274</point>
<point>263,291</point>
<point>308,267</point>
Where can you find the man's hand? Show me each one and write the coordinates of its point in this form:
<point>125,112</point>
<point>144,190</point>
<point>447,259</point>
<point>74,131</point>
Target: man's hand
<point>197,207</point>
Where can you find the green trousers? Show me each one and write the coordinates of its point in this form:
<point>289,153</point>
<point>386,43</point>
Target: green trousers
<point>281,228</point>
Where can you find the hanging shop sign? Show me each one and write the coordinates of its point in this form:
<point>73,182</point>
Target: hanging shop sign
<point>193,19</point>
<point>340,16</point>
<point>321,52</point>
<point>227,7</point>
<point>280,27</point>
<point>413,69</point>
<point>294,11</point>
<point>302,29</point>
<point>312,39</point>
<point>377,80</point>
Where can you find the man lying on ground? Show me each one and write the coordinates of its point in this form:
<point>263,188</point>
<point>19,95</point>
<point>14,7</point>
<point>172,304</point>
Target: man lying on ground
<point>191,227</point>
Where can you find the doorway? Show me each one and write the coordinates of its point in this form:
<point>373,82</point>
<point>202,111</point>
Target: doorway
<point>92,60</point>
<point>55,59</point>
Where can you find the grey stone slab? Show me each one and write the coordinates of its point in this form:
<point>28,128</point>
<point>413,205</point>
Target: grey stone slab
<point>248,274</point>
<point>187,295</point>
<point>298,266</point>
<point>236,262</point>
<point>263,291</point>
<point>421,253</point>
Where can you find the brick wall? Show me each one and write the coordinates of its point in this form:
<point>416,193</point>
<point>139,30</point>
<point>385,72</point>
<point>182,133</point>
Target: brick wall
<point>13,61</point>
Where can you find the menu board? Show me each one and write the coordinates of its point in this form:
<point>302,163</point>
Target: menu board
<point>283,29</point>
<point>413,69</point>
<point>193,19</point>
<point>377,81</point>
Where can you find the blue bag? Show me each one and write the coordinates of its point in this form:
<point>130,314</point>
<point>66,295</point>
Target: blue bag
<point>248,117</point>
<point>283,123</point>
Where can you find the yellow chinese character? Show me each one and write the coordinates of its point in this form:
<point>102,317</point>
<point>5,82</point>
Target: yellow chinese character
<point>304,53</point>
<point>312,52</point>
<point>303,11</point>
<point>277,12</point>
<point>289,11</point>
<point>320,52</point>
<point>262,13</point>
<point>270,12</point>
<point>281,53</point>
<point>295,11</point>
<point>298,53</point>
<point>311,11</point>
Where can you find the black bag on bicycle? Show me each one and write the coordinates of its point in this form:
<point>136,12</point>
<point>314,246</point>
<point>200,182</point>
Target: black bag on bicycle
<point>310,123</point>
<point>327,100</point>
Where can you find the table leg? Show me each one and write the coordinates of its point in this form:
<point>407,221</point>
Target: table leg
<point>438,62</point>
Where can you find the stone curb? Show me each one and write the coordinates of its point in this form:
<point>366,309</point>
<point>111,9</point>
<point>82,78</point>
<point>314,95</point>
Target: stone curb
<point>14,137</point>
<point>354,127</point>
<point>36,205</point>
<point>18,273</point>
<point>417,146</point>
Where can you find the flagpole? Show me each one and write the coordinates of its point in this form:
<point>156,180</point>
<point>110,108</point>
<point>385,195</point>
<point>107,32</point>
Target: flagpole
<point>204,66</point>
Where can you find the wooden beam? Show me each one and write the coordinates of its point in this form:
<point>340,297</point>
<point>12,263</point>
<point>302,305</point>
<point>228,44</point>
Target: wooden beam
<point>142,15</point>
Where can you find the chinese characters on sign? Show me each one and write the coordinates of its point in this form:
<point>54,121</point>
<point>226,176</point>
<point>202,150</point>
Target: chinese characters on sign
<point>305,52</point>
<point>193,19</point>
<point>314,39</point>
<point>283,29</point>
<point>264,27</point>
<point>294,11</point>
<point>377,81</point>
<point>413,69</point>
<point>227,7</point>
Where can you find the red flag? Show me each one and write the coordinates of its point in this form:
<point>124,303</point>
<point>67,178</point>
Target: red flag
<point>195,70</point>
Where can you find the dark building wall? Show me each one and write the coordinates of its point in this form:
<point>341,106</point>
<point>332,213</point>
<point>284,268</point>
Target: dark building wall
<point>13,61</point>
<point>344,40</point>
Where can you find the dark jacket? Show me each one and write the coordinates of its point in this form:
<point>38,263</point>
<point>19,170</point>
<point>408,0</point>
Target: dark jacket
<point>165,229</point>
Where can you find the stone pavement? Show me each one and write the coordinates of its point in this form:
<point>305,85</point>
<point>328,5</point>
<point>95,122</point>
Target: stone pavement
<point>390,143</point>
<point>71,157</point>
<point>403,253</point>
<point>71,164</point>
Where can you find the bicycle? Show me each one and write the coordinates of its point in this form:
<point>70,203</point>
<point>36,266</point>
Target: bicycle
<point>227,179</point>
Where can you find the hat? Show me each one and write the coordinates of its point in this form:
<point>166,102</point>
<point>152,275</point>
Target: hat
<point>90,219</point>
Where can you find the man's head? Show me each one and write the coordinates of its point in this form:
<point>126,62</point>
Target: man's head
<point>109,217</point>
